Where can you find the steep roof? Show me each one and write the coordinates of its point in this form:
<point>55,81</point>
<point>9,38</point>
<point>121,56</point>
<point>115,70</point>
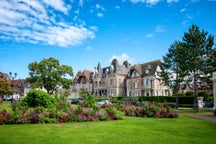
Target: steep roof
<point>86,73</point>
<point>4,76</point>
<point>150,66</point>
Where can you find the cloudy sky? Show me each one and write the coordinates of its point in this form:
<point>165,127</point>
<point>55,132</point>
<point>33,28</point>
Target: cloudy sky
<point>81,33</point>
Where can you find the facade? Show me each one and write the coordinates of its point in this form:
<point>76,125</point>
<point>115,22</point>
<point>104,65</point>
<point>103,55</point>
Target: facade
<point>83,80</point>
<point>144,80</point>
<point>19,87</point>
<point>110,81</point>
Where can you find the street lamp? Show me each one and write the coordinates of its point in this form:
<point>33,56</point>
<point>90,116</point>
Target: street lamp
<point>12,76</point>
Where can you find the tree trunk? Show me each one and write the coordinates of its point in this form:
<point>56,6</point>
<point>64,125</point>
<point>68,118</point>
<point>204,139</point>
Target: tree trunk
<point>196,106</point>
<point>176,92</point>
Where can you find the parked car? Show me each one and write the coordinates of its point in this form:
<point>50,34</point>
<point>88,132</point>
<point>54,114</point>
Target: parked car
<point>171,104</point>
<point>76,101</point>
<point>209,104</point>
<point>103,102</point>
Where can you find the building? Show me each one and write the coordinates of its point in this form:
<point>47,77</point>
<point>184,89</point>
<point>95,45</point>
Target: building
<point>144,80</point>
<point>19,87</point>
<point>110,81</point>
<point>83,80</point>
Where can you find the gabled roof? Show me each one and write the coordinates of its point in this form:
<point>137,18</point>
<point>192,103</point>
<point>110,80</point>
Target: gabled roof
<point>150,66</point>
<point>4,76</point>
<point>86,73</point>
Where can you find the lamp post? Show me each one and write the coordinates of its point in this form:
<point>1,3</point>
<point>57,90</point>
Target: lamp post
<point>12,76</point>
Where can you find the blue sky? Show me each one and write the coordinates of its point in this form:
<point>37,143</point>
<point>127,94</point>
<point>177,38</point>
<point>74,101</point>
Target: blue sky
<point>81,33</point>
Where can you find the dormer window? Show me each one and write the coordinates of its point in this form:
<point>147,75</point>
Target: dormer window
<point>146,71</point>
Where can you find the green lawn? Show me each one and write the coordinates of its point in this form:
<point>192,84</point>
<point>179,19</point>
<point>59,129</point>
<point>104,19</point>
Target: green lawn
<point>131,130</point>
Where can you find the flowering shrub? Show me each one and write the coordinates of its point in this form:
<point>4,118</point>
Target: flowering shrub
<point>150,110</point>
<point>4,117</point>
<point>22,115</point>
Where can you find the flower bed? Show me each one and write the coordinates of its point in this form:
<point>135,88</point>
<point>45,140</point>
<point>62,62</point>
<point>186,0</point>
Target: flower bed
<point>150,110</point>
<point>22,115</point>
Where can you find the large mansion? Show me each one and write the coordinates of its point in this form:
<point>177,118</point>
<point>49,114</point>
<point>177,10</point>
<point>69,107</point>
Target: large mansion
<point>123,80</point>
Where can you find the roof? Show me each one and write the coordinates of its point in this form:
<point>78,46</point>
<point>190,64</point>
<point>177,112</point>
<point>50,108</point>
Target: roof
<point>86,73</point>
<point>141,68</point>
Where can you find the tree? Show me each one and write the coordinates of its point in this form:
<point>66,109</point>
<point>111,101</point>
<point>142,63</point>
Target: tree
<point>4,88</point>
<point>36,98</point>
<point>197,44</point>
<point>194,54</point>
<point>49,74</point>
<point>84,93</point>
<point>172,68</point>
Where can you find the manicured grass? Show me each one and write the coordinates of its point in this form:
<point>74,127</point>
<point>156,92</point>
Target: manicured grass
<point>131,130</point>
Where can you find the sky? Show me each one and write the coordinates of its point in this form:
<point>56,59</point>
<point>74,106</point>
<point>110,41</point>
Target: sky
<point>82,33</point>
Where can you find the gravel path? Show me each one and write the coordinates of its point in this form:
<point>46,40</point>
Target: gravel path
<point>209,117</point>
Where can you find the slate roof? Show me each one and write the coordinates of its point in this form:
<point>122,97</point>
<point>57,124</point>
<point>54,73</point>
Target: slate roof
<point>86,73</point>
<point>141,68</point>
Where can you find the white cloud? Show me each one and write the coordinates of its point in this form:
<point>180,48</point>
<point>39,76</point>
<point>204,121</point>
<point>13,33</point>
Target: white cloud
<point>121,58</point>
<point>152,2</point>
<point>159,28</point>
<point>98,6</point>
<point>36,21</point>
<point>182,10</point>
<point>148,2</point>
<point>100,15</point>
<point>81,2</point>
<point>89,48</point>
<point>189,17</point>
<point>117,7</point>
<point>149,35</point>
<point>58,5</point>
<point>172,1</point>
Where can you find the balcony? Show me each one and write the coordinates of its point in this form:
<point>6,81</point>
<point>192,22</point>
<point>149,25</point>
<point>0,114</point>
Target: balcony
<point>147,87</point>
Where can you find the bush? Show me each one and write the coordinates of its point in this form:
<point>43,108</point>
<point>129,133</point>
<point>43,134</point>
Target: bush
<point>37,98</point>
<point>189,93</point>
<point>214,112</point>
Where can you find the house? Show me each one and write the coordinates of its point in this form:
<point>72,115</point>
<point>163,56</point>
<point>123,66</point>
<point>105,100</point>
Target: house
<point>83,80</point>
<point>19,87</point>
<point>144,80</point>
<point>110,81</point>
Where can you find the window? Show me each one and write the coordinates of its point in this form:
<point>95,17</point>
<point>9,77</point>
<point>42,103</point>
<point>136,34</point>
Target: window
<point>136,84</point>
<point>147,82</point>
<point>120,82</point>
<point>111,81</point>
<point>128,84</point>
<point>146,71</point>
<point>136,93</point>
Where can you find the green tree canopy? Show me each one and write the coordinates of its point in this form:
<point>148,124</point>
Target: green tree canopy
<point>194,54</point>
<point>173,70</point>
<point>4,88</point>
<point>49,74</point>
<point>198,45</point>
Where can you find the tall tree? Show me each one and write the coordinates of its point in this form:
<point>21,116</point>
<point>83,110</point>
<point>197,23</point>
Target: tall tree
<point>49,74</point>
<point>173,71</point>
<point>197,44</point>
<point>4,88</point>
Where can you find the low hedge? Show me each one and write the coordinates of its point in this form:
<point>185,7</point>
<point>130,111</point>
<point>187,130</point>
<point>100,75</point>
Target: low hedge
<point>158,99</point>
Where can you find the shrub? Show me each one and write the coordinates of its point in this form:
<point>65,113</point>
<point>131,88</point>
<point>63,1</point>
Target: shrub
<point>90,101</point>
<point>189,93</point>
<point>214,112</point>
<point>37,98</point>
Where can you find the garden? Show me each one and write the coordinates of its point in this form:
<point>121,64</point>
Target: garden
<point>40,107</point>
<point>41,118</point>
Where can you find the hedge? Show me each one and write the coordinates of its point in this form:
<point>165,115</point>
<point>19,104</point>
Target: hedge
<point>158,99</point>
